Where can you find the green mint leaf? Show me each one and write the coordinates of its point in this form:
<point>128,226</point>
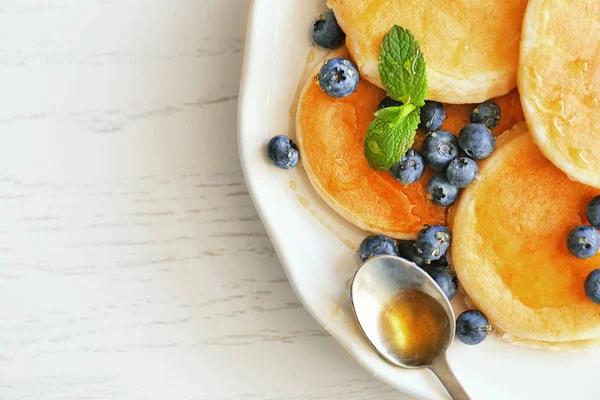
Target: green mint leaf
<point>394,113</point>
<point>402,67</point>
<point>387,139</point>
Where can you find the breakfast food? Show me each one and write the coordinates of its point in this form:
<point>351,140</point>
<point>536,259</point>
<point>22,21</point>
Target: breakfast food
<point>523,234</point>
<point>559,81</point>
<point>283,152</point>
<point>462,172</point>
<point>472,327</point>
<point>376,245</point>
<point>330,135</point>
<point>509,247</point>
<point>327,32</point>
<point>444,280</point>
<point>338,77</point>
<point>471,46</point>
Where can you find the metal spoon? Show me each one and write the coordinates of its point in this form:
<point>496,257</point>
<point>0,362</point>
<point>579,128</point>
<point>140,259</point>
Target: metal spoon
<point>376,283</point>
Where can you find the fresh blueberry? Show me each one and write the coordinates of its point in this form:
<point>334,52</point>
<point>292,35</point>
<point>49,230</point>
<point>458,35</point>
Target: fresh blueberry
<point>406,249</point>
<point>445,281</point>
<point>462,172</point>
<point>593,212</point>
<point>592,286</point>
<point>439,148</point>
<point>283,152</point>
<point>389,102</point>
<point>432,116</point>
<point>583,241</point>
<point>327,33</point>
<point>376,245</point>
<point>477,141</point>
<point>487,113</point>
<point>442,262</point>
<point>440,191</point>
<point>432,243</point>
<point>409,169</point>
<point>472,327</point>
<point>339,77</point>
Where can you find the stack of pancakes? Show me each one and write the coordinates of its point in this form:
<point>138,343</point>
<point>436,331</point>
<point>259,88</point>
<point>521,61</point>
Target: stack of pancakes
<point>509,228</point>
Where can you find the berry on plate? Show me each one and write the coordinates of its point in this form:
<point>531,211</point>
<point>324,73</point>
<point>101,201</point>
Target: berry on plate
<point>406,249</point>
<point>409,169</point>
<point>439,148</point>
<point>440,191</point>
<point>593,212</point>
<point>487,113</point>
<point>445,281</point>
<point>339,77</point>
<point>432,116</point>
<point>462,172</point>
<point>592,286</point>
<point>327,33</point>
<point>472,327</point>
<point>283,152</point>
<point>432,243</point>
<point>477,141</point>
<point>583,241</point>
<point>376,245</point>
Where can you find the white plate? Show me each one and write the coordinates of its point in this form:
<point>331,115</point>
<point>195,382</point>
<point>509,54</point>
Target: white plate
<point>310,239</point>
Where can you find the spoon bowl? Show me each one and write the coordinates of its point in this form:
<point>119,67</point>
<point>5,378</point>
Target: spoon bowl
<point>379,282</point>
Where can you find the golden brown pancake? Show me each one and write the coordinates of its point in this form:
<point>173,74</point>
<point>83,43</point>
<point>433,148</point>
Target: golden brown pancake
<point>331,135</point>
<point>559,81</point>
<point>471,46</point>
<point>509,247</point>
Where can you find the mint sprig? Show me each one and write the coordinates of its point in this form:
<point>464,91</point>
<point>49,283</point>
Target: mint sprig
<point>402,67</point>
<point>390,135</point>
<point>403,73</point>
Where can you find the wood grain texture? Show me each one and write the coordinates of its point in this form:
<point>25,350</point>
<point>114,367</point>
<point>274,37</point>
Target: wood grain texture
<point>132,262</point>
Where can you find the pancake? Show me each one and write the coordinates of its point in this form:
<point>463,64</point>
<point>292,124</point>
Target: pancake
<point>330,134</point>
<point>471,46</point>
<point>559,81</point>
<point>509,248</point>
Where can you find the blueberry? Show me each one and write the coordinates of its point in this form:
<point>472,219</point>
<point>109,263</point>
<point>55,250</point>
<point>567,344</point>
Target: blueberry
<point>376,245</point>
<point>283,152</point>
<point>406,249</point>
<point>593,212</point>
<point>440,191</point>
<point>472,327</point>
<point>583,241</point>
<point>389,102</point>
<point>462,172</point>
<point>432,116</point>
<point>592,286</point>
<point>445,281</point>
<point>487,113</point>
<point>338,77</point>
<point>439,148</point>
<point>432,243</point>
<point>442,262</point>
<point>327,33</point>
<point>409,169</point>
<point>477,141</point>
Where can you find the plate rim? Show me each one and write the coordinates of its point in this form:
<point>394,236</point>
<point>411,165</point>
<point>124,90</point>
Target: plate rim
<point>368,362</point>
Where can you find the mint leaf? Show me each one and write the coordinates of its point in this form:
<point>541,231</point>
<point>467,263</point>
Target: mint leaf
<point>388,139</point>
<point>402,67</point>
<point>404,75</point>
<point>394,113</point>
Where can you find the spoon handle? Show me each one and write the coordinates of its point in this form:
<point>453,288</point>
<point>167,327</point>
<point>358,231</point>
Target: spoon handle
<point>442,370</point>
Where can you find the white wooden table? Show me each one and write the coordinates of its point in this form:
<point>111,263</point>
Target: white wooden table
<point>132,262</point>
